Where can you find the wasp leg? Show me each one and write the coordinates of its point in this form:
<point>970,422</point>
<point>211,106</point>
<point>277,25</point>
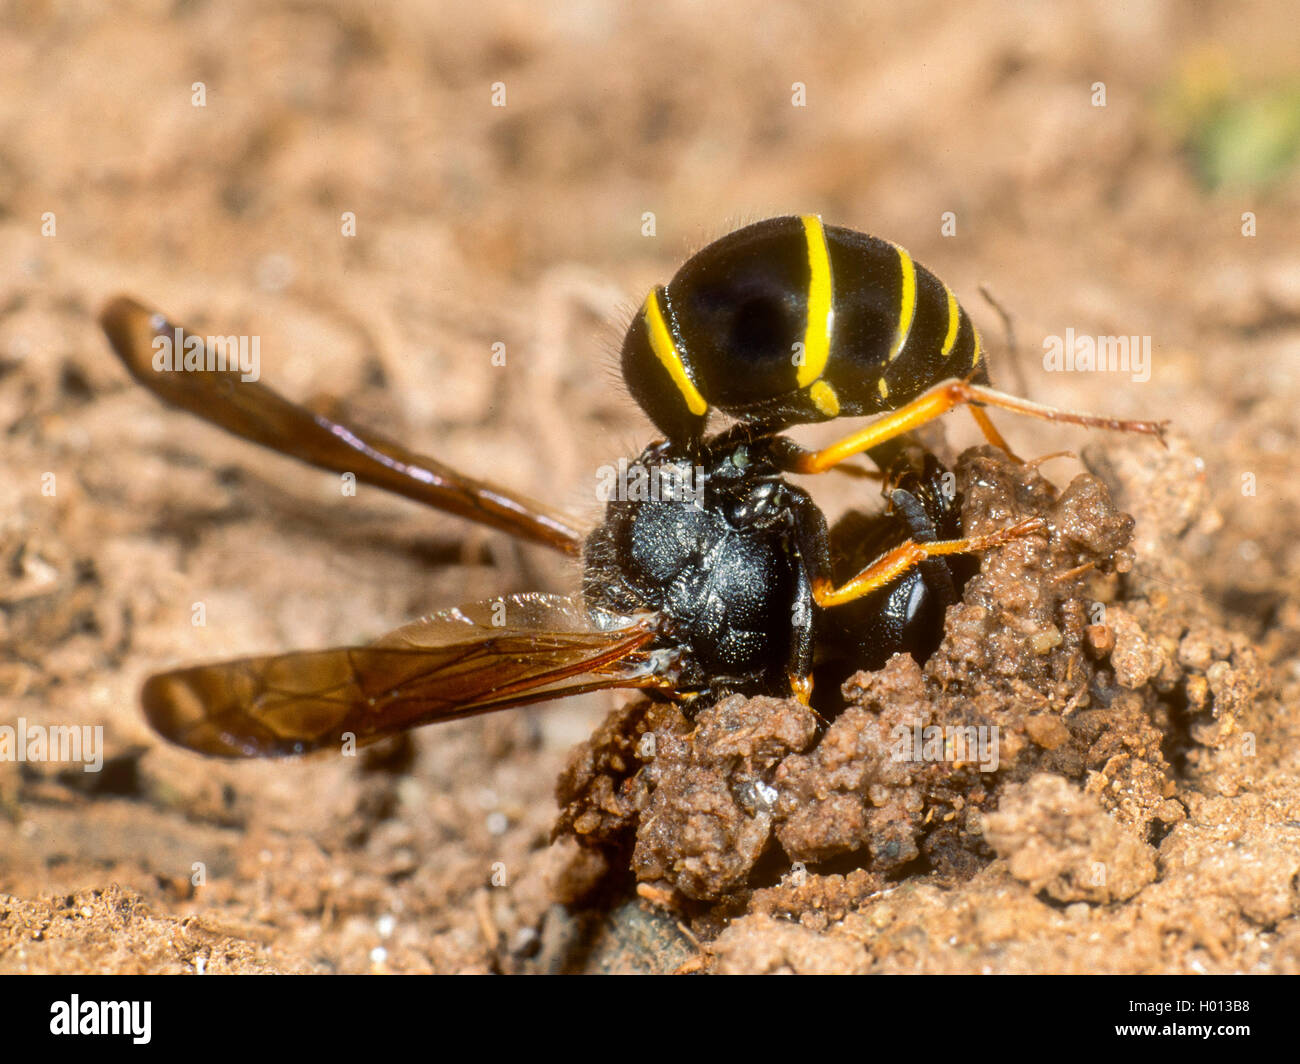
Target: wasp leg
<point>939,400</point>
<point>799,667</point>
<point>992,434</point>
<point>894,563</point>
<point>802,686</point>
<point>861,472</point>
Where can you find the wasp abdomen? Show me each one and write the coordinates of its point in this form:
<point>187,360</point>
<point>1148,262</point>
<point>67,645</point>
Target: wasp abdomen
<point>788,321</point>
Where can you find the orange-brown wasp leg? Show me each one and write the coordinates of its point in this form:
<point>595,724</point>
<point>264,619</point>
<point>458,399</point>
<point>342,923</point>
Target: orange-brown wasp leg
<point>802,686</point>
<point>991,433</point>
<point>860,472</point>
<point>894,563</point>
<point>939,400</point>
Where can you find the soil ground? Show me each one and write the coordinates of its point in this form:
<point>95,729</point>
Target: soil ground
<point>1169,212</point>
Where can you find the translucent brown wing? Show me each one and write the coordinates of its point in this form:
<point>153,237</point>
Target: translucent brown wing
<point>454,664</point>
<point>252,410</point>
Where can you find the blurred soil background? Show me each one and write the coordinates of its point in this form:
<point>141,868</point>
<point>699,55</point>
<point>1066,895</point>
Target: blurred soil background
<point>526,225</point>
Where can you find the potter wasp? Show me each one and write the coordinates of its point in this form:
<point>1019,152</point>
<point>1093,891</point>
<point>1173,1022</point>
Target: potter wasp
<point>782,323</point>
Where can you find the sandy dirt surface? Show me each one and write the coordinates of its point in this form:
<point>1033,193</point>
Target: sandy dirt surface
<point>1145,815</point>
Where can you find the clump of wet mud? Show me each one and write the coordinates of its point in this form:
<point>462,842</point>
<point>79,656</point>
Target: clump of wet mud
<point>1064,727</point>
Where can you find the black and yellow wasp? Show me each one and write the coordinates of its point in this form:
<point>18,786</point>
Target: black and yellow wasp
<point>781,323</point>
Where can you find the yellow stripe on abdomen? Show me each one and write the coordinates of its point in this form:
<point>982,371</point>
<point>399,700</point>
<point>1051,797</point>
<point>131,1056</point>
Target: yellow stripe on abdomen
<point>906,303</point>
<point>821,309</point>
<point>954,323</point>
<point>665,349</point>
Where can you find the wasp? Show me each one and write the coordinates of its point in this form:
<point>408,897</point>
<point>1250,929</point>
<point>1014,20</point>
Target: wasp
<point>734,591</point>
